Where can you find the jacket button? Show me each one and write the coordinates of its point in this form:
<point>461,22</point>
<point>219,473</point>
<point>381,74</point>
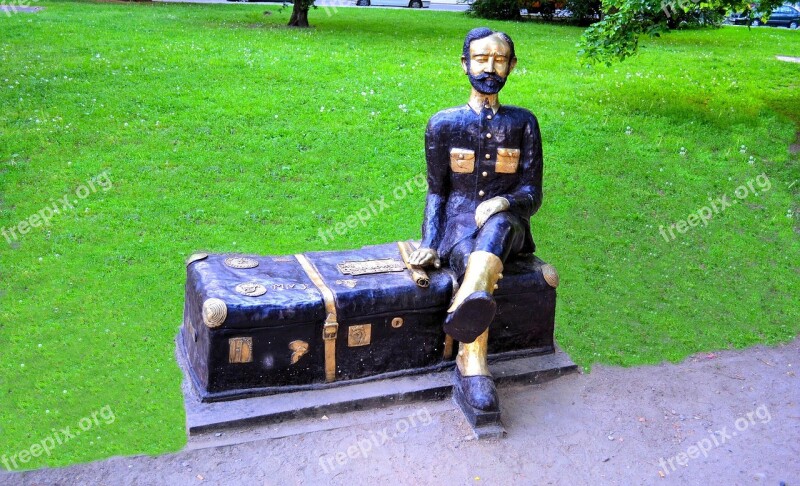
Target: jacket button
<point>488,156</point>
<point>488,117</point>
<point>481,193</point>
<point>484,174</point>
<point>488,135</point>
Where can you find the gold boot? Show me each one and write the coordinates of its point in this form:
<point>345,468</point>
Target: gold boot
<point>473,307</point>
<point>484,269</point>
<point>473,380</point>
<point>471,358</point>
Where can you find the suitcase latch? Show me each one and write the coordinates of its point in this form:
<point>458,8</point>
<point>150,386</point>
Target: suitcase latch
<point>330,331</point>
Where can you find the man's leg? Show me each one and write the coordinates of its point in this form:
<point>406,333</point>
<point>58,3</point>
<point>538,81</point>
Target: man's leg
<point>481,262</point>
<point>473,307</point>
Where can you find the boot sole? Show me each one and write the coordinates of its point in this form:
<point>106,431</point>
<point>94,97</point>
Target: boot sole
<point>471,318</point>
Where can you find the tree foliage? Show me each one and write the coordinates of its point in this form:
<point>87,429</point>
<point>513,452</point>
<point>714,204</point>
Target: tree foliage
<point>616,36</point>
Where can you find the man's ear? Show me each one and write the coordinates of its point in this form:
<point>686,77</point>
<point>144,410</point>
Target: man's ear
<point>512,65</point>
<point>464,64</point>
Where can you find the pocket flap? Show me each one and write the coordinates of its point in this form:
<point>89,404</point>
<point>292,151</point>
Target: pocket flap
<point>507,160</point>
<point>508,152</point>
<point>462,161</point>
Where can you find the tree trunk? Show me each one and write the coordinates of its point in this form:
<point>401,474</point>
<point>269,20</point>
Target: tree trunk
<point>299,14</point>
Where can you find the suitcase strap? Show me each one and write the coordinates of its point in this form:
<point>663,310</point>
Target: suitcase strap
<point>331,327</point>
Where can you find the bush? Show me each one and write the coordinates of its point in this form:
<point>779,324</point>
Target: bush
<point>585,12</point>
<point>495,9</point>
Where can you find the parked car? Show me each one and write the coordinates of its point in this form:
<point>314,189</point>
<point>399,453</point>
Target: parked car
<point>785,16</point>
<point>395,3</point>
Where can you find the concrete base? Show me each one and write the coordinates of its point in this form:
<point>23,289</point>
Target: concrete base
<point>203,418</point>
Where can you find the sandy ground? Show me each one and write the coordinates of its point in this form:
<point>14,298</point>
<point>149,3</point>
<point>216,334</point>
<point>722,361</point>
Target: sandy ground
<point>724,418</point>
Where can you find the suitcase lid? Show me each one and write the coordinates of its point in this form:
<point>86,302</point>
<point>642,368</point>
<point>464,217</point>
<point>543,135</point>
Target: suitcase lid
<point>263,291</point>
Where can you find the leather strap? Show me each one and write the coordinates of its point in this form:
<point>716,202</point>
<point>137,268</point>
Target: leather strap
<point>331,327</point>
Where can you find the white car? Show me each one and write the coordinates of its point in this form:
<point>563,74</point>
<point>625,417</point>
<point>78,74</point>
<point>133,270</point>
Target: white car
<point>395,3</point>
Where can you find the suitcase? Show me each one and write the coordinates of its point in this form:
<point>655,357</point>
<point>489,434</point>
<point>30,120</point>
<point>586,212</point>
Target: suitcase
<point>256,325</point>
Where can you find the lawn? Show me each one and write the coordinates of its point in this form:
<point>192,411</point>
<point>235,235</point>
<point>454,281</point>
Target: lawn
<point>174,128</point>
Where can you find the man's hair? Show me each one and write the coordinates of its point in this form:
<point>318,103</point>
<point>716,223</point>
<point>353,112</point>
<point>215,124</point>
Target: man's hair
<point>481,33</point>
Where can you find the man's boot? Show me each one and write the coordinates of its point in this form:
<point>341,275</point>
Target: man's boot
<point>472,375</point>
<point>473,306</point>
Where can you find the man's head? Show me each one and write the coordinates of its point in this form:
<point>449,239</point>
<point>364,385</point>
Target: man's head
<point>488,58</point>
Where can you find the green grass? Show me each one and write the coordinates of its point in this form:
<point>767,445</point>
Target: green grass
<point>210,123</point>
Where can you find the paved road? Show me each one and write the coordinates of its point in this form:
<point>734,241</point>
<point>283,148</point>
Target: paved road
<point>450,5</point>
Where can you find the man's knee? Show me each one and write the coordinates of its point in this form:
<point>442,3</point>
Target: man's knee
<point>502,234</point>
<point>503,221</point>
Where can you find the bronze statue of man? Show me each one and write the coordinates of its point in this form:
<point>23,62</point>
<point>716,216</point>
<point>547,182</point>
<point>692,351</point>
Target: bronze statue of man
<point>484,184</point>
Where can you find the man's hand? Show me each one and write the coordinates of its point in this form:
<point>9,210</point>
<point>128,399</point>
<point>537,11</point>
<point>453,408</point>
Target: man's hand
<point>425,257</point>
<point>489,208</point>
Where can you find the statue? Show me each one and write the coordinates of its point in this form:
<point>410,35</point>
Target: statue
<point>256,326</point>
<point>484,183</point>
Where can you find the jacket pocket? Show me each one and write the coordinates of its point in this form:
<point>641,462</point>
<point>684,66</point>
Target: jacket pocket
<point>462,161</point>
<point>507,161</point>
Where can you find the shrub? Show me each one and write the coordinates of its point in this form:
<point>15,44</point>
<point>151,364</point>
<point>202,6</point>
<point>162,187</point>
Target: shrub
<point>495,9</point>
<point>585,12</point>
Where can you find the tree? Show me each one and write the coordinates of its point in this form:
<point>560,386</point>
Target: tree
<point>299,16</point>
<point>616,36</point>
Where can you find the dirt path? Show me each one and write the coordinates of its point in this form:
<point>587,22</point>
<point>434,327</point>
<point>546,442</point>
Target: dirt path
<point>724,418</point>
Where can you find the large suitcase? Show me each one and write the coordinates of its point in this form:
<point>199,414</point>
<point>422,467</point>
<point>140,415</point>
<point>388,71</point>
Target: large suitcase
<point>256,325</point>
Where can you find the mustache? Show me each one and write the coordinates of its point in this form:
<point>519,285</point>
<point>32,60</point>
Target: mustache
<point>485,76</point>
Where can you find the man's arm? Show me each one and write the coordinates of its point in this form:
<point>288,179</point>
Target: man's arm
<point>527,196</point>
<point>433,222</point>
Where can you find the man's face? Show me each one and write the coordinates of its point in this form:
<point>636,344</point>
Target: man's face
<point>488,65</point>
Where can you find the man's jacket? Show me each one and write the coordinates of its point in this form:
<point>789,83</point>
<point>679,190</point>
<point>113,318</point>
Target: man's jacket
<point>473,157</point>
